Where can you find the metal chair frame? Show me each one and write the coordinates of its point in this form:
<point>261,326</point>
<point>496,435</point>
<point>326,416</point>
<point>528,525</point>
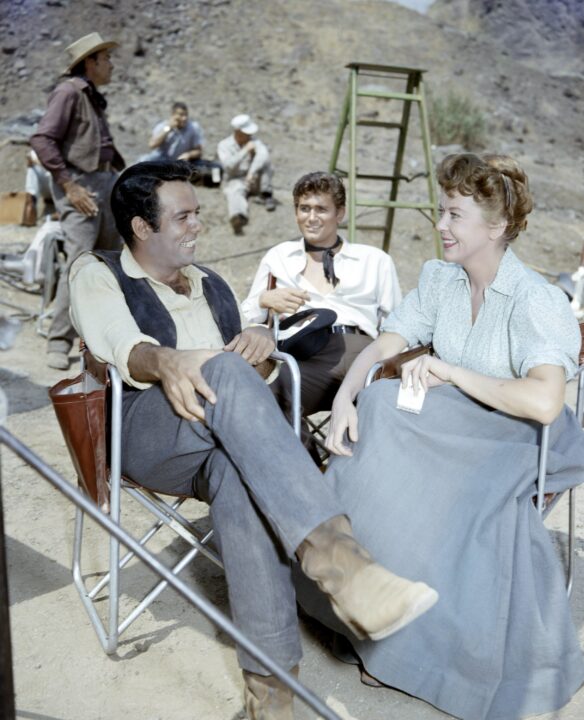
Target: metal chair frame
<point>166,514</point>
<point>544,505</point>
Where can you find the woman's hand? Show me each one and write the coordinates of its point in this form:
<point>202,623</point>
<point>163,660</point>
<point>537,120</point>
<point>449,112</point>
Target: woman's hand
<point>539,396</point>
<point>426,371</point>
<point>343,417</point>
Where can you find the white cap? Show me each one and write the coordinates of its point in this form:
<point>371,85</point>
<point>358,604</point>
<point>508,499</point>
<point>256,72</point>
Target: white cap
<point>245,124</point>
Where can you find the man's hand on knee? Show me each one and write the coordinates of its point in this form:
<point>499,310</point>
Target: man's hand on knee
<point>179,373</point>
<point>254,344</point>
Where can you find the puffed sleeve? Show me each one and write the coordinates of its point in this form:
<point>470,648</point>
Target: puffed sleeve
<point>415,317</point>
<point>543,331</point>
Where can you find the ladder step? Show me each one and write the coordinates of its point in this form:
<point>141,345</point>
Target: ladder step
<point>362,227</point>
<point>368,176</point>
<point>405,178</point>
<point>380,123</point>
<point>389,95</point>
<point>394,204</point>
<point>365,176</point>
<point>388,69</point>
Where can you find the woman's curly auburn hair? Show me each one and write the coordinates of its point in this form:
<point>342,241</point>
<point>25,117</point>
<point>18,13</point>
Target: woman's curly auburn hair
<point>495,182</point>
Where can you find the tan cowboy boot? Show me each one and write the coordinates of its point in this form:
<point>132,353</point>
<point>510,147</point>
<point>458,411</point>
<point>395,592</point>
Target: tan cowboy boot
<point>370,600</point>
<point>267,698</point>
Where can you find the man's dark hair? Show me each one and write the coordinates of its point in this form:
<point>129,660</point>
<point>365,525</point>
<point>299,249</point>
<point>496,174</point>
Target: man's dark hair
<point>180,106</point>
<point>79,69</point>
<point>135,193</point>
<point>320,183</point>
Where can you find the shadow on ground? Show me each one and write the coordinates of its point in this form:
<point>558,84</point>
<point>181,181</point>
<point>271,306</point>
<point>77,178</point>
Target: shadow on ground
<point>22,394</point>
<point>31,573</point>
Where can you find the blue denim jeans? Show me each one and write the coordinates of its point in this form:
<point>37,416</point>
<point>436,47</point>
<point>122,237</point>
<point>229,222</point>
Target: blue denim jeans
<point>263,489</point>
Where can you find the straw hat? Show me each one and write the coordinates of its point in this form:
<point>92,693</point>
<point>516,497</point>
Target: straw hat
<point>85,46</point>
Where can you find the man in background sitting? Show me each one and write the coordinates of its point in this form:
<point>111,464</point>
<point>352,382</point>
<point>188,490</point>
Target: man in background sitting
<point>179,138</point>
<point>248,171</point>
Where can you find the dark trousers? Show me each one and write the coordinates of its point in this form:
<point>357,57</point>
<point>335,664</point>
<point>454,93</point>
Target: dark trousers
<point>82,233</point>
<point>321,376</point>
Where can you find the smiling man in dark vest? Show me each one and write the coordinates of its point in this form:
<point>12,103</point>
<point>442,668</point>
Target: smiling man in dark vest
<point>198,420</point>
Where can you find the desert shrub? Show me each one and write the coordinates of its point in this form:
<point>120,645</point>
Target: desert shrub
<point>456,119</point>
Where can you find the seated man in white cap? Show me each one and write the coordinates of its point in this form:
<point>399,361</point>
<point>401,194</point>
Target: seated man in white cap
<point>247,171</point>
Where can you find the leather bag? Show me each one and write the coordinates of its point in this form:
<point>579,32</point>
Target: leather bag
<point>80,406</point>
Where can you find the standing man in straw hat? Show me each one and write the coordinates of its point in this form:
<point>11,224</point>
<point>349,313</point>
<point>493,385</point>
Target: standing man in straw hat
<point>247,171</point>
<point>73,141</point>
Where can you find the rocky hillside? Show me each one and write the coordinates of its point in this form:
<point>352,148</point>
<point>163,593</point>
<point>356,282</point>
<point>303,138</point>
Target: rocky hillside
<point>548,32</point>
<point>283,61</point>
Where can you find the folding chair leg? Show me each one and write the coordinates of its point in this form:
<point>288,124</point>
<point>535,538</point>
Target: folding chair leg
<point>571,539</point>
<point>166,514</point>
<point>155,592</point>
<point>107,638</point>
<point>129,555</point>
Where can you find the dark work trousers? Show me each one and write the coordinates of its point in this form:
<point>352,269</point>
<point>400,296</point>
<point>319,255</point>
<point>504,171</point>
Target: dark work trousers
<point>321,376</point>
<point>264,492</point>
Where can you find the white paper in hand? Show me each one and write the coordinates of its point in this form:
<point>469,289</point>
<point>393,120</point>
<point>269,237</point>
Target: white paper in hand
<point>406,400</point>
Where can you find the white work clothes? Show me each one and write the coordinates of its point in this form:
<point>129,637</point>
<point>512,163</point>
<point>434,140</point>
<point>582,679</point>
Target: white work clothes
<point>238,164</point>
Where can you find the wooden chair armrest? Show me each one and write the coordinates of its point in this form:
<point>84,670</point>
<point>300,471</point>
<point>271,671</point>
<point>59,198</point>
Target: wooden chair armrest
<point>391,367</point>
<point>94,367</point>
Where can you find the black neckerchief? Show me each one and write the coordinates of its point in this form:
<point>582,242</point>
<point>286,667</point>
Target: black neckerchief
<point>328,264</point>
<point>97,99</point>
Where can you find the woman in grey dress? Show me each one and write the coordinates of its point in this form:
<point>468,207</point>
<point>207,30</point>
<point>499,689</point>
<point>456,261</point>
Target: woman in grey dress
<point>445,496</point>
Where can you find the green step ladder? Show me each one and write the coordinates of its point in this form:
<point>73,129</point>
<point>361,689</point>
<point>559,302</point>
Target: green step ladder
<point>414,94</point>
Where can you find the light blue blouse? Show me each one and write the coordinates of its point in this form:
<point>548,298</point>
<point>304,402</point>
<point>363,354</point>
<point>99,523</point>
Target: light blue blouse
<point>523,322</point>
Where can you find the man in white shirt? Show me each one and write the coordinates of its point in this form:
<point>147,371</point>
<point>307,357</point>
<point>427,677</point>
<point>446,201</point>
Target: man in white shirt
<point>173,330</point>
<point>247,171</point>
<point>321,270</point>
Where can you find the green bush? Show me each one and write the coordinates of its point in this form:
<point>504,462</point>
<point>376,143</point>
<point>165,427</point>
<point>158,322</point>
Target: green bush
<point>455,119</point>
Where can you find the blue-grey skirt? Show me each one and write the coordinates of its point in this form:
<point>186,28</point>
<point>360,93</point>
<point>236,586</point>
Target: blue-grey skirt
<point>446,497</point>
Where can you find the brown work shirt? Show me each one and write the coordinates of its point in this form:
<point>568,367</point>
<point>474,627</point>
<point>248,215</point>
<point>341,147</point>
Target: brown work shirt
<point>73,135</point>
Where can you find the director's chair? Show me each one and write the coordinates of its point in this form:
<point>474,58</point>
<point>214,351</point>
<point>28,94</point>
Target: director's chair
<point>166,514</point>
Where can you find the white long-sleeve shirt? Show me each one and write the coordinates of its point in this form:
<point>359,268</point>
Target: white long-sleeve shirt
<point>367,291</point>
<point>237,162</point>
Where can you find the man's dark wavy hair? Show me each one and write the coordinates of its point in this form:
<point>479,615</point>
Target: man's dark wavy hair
<point>136,193</point>
<point>320,183</point>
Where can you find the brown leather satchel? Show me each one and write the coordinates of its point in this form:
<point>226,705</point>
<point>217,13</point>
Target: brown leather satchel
<point>80,406</point>
<point>391,367</point>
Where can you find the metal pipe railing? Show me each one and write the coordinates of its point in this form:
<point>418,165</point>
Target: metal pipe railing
<point>203,605</point>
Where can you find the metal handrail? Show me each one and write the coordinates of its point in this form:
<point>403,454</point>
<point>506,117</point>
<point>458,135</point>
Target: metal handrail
<point>204,606</point>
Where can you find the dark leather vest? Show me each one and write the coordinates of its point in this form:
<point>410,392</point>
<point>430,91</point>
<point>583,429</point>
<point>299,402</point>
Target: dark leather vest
<point>154,319</point>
